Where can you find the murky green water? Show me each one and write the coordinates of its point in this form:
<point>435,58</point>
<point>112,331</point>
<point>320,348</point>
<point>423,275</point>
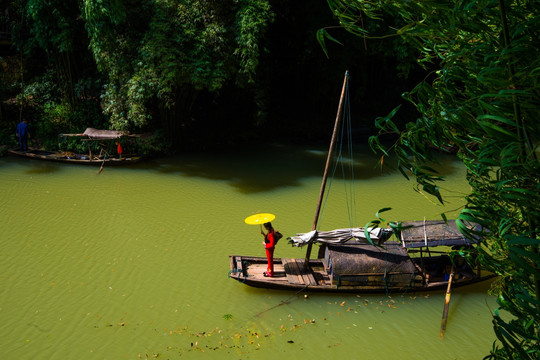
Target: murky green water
<point>133,262</point>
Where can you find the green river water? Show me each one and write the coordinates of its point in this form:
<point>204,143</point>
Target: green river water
<point>133,263</point>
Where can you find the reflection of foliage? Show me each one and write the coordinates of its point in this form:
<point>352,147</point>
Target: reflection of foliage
<point>483,101</point>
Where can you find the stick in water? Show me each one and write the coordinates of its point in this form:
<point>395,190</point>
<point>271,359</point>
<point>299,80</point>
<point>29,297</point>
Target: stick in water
<point>447,302</point>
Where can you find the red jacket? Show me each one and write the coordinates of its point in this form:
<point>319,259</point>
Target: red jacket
<point>270,240</point>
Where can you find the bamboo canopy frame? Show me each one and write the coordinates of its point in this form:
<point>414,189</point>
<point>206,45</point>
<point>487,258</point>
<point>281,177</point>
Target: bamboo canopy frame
<point>96,134</point>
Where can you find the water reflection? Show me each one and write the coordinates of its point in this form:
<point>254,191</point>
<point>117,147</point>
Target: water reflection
<point>277,166</point>
<point>38,167</point>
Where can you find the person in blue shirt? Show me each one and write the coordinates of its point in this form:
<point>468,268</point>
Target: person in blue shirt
<point>23,134</point>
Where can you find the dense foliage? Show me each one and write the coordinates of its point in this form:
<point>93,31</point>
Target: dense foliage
<point>158,55</point>
<point>483,99</point>
<point>142,62</point>
<point>49,74</point>
<point>247,70</point>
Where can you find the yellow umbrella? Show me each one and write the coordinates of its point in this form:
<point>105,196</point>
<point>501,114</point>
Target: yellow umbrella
<point>259,219</point>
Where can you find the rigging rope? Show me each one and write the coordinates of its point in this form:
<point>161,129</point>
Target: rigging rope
<point>346,129</point>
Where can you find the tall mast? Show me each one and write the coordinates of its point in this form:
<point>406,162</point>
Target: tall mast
<point>328,160</point>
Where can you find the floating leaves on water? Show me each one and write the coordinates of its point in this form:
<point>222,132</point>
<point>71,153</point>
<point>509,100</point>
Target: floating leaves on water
<point>227,316</point>
<point>226,340</point>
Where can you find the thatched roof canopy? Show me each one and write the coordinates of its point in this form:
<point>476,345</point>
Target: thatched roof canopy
<point>432,233</point>
<point>102,134</point>
<point>95,134</point>
<point>357,259</point>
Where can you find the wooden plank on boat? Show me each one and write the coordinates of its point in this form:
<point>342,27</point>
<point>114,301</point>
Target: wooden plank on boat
<point>239,263</point>
<point>292,271</point>
<point>294,268</point>
<point>309,279</point>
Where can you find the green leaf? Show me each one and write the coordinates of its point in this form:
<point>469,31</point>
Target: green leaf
<point>443,216</point>
<point>526,254</point>
<point>323,34</point>
<point>381,211</point>
<point>522,240</point>
<point>495,130</point>
<point>497,118</point>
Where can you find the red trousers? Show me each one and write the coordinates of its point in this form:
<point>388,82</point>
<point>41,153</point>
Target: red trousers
<point>270,257</point>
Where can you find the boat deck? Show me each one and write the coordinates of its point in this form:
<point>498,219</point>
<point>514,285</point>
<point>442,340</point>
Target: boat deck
<point>288,272</point>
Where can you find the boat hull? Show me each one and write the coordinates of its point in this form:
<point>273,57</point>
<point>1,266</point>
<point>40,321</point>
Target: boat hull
<point>289,274</point>
<point>78,159</point>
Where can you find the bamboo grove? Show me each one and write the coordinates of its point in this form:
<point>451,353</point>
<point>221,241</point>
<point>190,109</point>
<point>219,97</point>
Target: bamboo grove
<point>136,64</point>
<point>481,97</point>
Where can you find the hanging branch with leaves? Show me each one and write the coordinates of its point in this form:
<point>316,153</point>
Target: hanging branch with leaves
<point>483,99</point>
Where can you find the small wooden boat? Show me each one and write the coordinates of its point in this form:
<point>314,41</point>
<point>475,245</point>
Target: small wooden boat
<point>419,262</point>
<point>72,158</point>
<point>91,158</point>
<point>350,261</point>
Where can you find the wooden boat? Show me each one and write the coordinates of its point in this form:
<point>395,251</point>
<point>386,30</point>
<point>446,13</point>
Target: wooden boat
<point>91,158</point>
<point>418,260</point>
<point>75,158</point>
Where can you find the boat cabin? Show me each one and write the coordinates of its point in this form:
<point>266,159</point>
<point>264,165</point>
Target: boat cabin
<point>367,265</point>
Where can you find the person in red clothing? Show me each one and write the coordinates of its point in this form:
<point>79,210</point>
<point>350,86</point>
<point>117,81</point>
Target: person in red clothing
<point>119,149</point>
<point>269,245</point>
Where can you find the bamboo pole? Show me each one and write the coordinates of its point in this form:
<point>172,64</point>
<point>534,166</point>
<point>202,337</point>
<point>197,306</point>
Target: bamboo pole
<point>447,302</point>
<point>328,160</point>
